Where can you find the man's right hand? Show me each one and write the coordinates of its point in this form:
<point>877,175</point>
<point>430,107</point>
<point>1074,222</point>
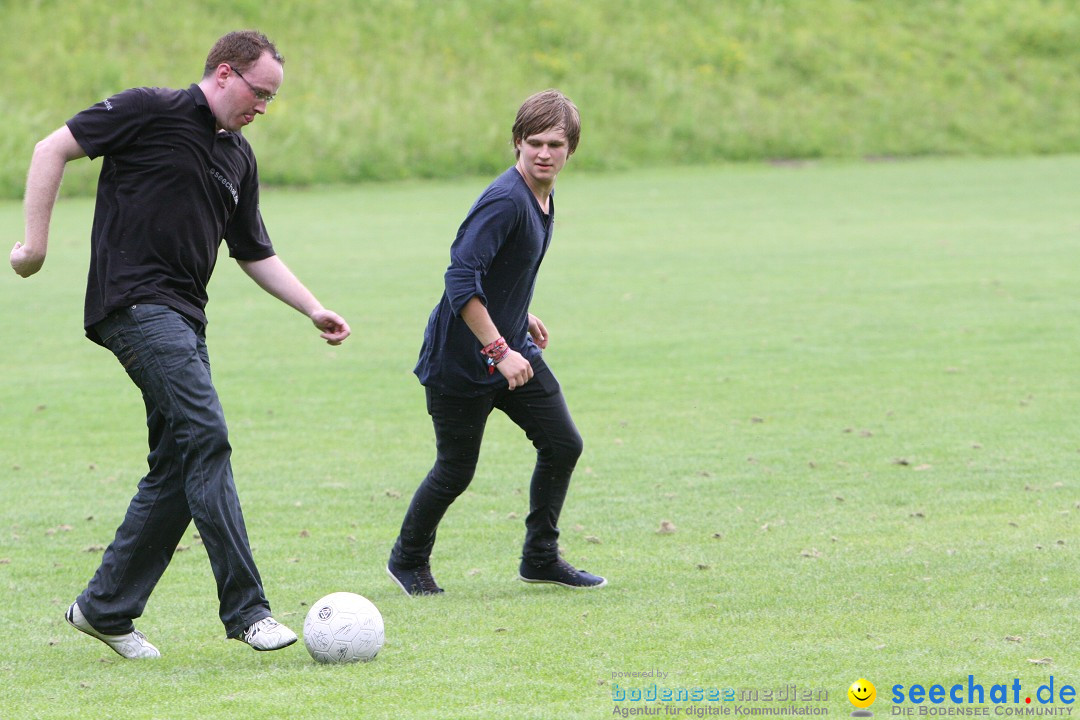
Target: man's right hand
<point>26,261</point>
<point>51,155</point>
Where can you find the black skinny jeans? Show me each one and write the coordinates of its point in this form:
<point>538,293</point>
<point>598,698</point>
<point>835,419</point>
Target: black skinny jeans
<point>538,408</point>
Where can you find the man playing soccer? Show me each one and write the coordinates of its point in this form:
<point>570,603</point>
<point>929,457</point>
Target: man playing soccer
<point>177,178</point>
<point>482,350</point>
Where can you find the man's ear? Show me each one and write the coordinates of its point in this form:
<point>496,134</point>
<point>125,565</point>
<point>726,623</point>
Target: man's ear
<point>221,73</point>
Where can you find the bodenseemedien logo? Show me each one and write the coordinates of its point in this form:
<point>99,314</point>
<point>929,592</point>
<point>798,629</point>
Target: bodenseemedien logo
<point>862,695</point>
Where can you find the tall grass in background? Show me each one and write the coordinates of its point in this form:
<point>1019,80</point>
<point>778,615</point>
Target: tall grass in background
<point>407,88</point>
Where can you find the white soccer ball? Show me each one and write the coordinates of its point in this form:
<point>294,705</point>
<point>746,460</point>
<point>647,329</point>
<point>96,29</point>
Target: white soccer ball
<point>343,627</point>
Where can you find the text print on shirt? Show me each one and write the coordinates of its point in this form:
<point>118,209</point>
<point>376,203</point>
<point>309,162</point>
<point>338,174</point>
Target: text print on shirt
<point>227,183</point>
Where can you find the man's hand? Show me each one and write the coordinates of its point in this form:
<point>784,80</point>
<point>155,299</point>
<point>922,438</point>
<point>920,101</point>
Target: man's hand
<point>334,327</point>
<point>538,331</point>
<point>515,368</point>
<point>275,278</point>
<point>26,261</point>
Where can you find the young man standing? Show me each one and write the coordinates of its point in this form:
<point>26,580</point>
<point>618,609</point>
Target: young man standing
<point>177,178</point>
<point>482,351</point>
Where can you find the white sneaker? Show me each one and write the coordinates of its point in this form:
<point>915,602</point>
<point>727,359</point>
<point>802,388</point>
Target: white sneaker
<point>133,645</point>
<point>268,634</point>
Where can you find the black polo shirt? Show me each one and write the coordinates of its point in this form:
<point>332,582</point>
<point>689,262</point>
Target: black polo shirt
<point>171,188</point>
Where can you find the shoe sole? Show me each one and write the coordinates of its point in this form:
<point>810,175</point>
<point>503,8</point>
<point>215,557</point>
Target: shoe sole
<point>600,584</point>
<point>279,647</point>
<point>397,582</point>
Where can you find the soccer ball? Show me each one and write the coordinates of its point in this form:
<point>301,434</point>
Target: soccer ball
<point>343,627</point>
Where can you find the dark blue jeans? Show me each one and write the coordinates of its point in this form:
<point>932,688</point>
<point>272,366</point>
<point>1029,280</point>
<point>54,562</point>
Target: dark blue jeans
<point>189,478</point>
<point>538,408</point>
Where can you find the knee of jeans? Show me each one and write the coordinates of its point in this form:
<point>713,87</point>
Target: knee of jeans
<point>565,451</point>
<point>211,437</point>
<point>453,475</point>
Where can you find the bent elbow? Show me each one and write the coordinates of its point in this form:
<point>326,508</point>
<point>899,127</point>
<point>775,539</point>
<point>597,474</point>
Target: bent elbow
<point>59,147</point>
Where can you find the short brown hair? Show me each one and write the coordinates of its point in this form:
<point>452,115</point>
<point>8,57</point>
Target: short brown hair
<point>240,49</point>
<point>544,111</point>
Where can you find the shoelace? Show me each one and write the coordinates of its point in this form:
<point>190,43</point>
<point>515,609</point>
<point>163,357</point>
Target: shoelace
<point>427,581</point>
<point>568,568</point>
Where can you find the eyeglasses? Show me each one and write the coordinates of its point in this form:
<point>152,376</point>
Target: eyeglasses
<point>260,95</point>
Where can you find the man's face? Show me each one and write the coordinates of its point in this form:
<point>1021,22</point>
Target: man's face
<point>543,155</point>
<point>246,95</point>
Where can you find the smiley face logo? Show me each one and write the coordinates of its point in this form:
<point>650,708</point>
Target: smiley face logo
<point>862,693</point>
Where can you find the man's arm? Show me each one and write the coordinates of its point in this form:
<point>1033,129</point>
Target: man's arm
<point>514,367</point>
<point>51,156</point>
<point>274,277</point>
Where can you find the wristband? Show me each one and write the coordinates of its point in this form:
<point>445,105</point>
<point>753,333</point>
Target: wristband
<point>494,353</point>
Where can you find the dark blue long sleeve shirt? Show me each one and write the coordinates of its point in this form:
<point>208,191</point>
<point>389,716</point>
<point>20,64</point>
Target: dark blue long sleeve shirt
<point>495,257</point>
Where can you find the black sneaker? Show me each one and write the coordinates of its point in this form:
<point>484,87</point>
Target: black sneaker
<point>562,573</point>
<point>413,582</point>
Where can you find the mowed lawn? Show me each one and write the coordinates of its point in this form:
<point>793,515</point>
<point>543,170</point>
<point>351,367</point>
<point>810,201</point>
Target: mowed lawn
<point>830,417</point>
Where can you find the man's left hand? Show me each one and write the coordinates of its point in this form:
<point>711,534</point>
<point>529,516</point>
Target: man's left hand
<point>334,327</point>
<point>538,331</point>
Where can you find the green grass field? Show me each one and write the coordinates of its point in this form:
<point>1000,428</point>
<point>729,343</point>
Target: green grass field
<point>850,388</point>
